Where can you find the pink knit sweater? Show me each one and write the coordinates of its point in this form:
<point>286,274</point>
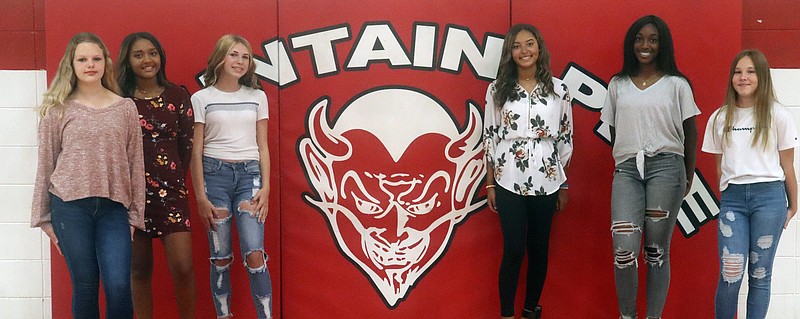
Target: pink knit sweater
<point>90,152</point>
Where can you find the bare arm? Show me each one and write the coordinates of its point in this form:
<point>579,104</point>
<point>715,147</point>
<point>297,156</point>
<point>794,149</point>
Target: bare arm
<point>787,163</point>
<point>205,210</point>
<point>689,150</point>
<point>491,199</point>
<point>261,199</point>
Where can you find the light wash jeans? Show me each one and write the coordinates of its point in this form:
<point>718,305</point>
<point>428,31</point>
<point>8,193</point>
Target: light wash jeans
<point>229,184</point>
<point>95,238</point>
<point>645,206</point>
<point>750,223</point>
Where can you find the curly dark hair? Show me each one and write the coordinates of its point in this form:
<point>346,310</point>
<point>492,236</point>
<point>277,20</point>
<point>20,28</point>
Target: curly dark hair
<point>506,81</point>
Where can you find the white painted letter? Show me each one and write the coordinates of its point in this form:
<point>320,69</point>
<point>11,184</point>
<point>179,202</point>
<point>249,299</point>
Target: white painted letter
<point>377,43</point>
<point>281,72</point>
<point>322,51</point>
<point>459,42</point>
<point>424,45</point>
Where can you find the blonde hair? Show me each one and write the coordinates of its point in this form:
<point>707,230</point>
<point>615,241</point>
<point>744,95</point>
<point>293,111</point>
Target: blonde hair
<point>764,98</point>
<point>65,81</point>
<point>217,59</point>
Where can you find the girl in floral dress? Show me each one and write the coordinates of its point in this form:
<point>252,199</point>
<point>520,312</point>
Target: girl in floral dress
<point>166,119</point>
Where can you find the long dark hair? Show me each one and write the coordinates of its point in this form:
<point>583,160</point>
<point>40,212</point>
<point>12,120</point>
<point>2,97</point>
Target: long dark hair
<point>665,59</point>
<point>506,81</point>
<point>126,78</point>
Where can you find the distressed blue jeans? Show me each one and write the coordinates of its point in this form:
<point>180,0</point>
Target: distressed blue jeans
<point>645,200</point>
<point>95,238</point>
<point>750,224</point>
<point>229,186</point>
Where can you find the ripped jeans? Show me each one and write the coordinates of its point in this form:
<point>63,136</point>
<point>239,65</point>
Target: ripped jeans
<point>645,207</point>
<point>230,186</point>
<point>750,224</point>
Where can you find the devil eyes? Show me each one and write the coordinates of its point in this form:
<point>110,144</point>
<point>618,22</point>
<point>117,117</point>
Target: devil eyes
<point>370,208</point>
<point>423,208</point>
<point>367,207</point>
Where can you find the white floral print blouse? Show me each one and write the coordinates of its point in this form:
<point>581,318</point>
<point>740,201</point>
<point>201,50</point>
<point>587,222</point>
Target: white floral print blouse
<point>528,141</point>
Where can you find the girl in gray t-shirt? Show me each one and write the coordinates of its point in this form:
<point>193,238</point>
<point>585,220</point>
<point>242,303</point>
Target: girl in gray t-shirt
<point>650,104</point>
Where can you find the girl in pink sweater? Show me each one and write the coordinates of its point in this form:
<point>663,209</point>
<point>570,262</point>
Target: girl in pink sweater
<point>89,190</point>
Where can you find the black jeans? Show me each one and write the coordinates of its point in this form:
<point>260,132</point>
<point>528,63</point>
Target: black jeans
<point>525,221</point>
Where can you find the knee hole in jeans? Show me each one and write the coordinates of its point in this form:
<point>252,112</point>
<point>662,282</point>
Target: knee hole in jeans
<point>256,261</point>
<point>656,214</point>
<point>732,266</point>
<point>624,258</point>
<point>653,255</point>
<point>624,228</point>
<point>222,263</point>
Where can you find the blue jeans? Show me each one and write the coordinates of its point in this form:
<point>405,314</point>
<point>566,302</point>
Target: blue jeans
<point>750,223</point>
<point>229,185</point>
<point>645,207</point>
<point>95,238</point>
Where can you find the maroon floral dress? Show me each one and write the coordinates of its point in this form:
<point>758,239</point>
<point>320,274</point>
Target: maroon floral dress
<point>167,128</point>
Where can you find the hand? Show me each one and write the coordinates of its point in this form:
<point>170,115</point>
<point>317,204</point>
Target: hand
<point>491,200</point>
<point>48,229</point>
<point>688,187</point>
<point>563,199</point>
<point>133,230</point>
<point>789,214</point>
<point>261,203</point>
<point>207,213</point>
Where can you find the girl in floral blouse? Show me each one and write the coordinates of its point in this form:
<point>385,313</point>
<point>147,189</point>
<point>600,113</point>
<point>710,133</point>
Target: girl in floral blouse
<point>166,119</point>
<point>528,145</point>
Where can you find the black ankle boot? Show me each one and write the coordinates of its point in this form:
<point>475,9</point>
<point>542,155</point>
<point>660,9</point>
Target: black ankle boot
<point>535,314</point>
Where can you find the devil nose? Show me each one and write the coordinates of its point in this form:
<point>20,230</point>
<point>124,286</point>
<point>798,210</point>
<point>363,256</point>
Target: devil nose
<point>399,217</point>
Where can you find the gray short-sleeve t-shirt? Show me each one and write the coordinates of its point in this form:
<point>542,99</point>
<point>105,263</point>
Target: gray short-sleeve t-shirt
<point>649,120</point>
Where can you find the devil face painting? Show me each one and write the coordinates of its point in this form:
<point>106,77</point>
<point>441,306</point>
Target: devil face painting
<point>393,174</point>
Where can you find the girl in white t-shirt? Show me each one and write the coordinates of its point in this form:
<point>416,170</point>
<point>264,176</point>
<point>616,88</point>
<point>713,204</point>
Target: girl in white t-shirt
<point>230,170</point>
<point>752,138</point>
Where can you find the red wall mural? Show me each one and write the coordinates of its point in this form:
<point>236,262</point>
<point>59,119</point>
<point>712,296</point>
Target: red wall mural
<point>377,208</point>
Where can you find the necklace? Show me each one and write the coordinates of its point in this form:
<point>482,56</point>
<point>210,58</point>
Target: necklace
<point>644,82</point>
<point>144,93</point>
